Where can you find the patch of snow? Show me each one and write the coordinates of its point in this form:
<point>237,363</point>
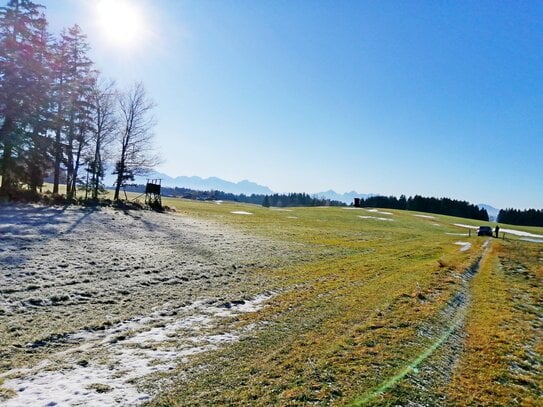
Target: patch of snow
<point>436,224</point>
<point>219,202</point>
<point>221,339</point>
<point>241,213</point>
<point>456,234</point>
<point>374,217</point>
<point>129,359</point>
<point>425,216</point>
<point>351,207</point>
<point>292,217</point>
<point>72,387</point>
<point>465,246</point>
<point>465,226</point>
<point>521,233</point>
<point>379,212</point>
<point>528,239</point>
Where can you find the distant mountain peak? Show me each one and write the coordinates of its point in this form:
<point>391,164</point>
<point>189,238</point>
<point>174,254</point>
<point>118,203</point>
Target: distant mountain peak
<point>203,184</point>
<point>244,186</point>
<point>346,197</point>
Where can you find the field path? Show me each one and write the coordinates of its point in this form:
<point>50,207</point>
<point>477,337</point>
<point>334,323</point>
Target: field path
<point>423,381</point>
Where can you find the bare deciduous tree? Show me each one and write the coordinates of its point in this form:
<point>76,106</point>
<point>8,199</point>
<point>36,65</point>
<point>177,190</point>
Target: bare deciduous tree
<point>136,155</point>
<point>105,126</point>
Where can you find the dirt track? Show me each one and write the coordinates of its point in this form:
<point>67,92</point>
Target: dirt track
<point>75,282</point>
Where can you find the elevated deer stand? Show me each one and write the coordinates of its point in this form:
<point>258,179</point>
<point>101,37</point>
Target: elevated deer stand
<point>152,193</point>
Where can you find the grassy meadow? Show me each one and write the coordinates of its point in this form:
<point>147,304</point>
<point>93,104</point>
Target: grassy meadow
<point>376,307</point>
<point>372,309</point>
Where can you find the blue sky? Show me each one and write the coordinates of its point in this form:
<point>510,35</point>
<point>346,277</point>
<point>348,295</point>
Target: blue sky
<point>393,97</point>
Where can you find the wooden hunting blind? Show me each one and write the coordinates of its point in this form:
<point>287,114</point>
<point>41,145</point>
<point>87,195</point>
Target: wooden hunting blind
<point>152,193</point>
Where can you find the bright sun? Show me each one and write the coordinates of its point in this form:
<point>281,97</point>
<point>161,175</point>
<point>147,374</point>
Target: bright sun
<point>121,22</point>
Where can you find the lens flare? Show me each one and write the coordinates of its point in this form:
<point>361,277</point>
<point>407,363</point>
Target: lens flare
<point>121,22</point>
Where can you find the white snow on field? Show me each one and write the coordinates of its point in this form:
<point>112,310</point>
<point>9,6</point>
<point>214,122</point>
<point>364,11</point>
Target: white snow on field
<point>374,217</point>
<point>436,224</point>
<point>241,213</point>
<point>351,207</point>
<point>149,350</point>
<point>465,226</point>
<point>292,217</point>
<point>379,212</point>
<point>456,234</point>
<point>465,246</point>
<point>425,216</point>
<point>219,202</point>
<point>528,239</point>
<point>521,233</point>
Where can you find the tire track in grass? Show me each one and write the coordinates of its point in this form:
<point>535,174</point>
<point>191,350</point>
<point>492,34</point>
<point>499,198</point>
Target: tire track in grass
<point>449,341</point>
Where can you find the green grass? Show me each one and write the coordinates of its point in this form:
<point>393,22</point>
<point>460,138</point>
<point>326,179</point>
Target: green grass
<point>345,326</point>
<point>346,322</point>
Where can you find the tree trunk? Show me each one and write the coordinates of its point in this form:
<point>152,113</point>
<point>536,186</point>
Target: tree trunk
<point>5,131</point>
<point>121,168</point>
<point>96,169</point>
<point>58,160</point>
<point>120,176</point>
<point>73,187</point>
<point>7,179</point>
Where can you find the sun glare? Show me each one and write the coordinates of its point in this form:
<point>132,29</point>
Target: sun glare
<point>121,22</point>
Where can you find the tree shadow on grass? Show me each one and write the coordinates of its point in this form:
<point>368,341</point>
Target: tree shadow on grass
<point>24,226</point>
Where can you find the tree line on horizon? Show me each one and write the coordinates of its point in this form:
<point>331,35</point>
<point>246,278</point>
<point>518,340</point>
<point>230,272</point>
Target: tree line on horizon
<point>59,116</point>
<point>211,195</point>
<point>297,199</point>
<point>276,200</point>
<point>442,206</point>
<point>528,217</point>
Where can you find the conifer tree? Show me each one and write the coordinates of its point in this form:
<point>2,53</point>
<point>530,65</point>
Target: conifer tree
<point>22,28</point>
<point>79,85</point>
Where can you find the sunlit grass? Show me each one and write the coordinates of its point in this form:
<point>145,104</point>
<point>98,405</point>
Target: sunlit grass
<point>343,323</point>
<point>349,311</point>
<point>502,362</point>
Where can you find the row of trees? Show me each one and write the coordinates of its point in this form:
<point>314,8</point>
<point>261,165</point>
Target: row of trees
<point>297,199</point>
<point>57,115</point>
<point>212,195</point>
<point>443,206</point>
<point>277,200</point>
<point>529,217</point>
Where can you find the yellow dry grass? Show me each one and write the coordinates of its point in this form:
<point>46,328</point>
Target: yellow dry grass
<point>503,357</point>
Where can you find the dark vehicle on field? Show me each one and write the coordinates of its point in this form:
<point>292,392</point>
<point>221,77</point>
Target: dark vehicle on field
<point>484,231</point>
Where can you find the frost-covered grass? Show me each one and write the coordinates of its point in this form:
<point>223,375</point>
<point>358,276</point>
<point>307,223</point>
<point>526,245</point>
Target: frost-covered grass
<point>77,281</point>
<point>129,352</point>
